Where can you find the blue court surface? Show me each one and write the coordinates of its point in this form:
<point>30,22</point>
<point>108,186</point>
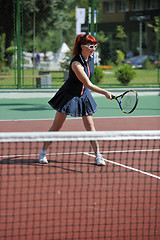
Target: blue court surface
<point>38,107</point>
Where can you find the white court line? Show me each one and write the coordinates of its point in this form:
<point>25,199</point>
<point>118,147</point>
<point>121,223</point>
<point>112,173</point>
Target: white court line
<point>136,150</point>
<point>89,154</point>
<point>77,153</point>
<point>77,118</point>
<point>37,154</point>
<point>23,93</point>
<point>131,168</point>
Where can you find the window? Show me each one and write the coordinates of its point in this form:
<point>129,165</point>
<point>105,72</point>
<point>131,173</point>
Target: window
<point>122,5</point>
<point>152,4</point>
<point>137,5</point>
<point>109,6</point>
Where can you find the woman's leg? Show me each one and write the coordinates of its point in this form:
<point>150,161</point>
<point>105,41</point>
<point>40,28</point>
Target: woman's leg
<point>56,126</point>
<point>89,125</point>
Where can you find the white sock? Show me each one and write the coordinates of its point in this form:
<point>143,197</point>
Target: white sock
<point>43,151</point>
<point>97,154</point>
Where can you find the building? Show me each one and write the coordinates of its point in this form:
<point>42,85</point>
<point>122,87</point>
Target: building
<point>134,16</point>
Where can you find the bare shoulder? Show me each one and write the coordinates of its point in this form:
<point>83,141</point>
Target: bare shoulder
<point>76,65</point>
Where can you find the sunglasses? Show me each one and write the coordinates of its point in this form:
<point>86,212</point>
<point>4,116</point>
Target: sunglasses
<point>91,46</point>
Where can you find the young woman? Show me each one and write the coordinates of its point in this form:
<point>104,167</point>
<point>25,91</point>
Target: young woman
<point>74,97</point>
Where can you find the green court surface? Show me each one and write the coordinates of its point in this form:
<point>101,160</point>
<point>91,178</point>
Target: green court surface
<point>38,108</point>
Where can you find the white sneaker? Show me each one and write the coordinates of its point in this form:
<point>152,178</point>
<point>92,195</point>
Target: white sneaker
<point>100,160</point>
<point>42,158</point>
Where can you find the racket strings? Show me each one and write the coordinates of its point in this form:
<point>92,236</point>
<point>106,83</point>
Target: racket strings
<point>128,101</point>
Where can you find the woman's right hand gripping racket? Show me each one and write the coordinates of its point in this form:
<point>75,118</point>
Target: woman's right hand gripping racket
<point>127,101</point>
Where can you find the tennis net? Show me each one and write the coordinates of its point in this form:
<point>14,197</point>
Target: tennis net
<point>71,197</point>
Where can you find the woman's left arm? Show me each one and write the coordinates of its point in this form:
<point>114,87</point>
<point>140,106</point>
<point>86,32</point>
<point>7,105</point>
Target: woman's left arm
<point>82,76</point>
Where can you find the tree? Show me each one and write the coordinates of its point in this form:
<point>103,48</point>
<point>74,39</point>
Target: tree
<point>50,17</point>
<point>2,50</point>
<point>155,27</point>
<point>118,41</point>
<point>6,21</point>
<point>120,33</point>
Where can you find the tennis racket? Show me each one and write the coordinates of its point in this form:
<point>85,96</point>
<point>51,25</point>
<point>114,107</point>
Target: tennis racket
<point>127,101</point>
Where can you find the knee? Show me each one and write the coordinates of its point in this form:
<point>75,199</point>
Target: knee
<point>90,126</point>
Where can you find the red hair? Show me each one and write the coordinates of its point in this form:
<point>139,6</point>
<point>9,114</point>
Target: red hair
<point>82,40</point>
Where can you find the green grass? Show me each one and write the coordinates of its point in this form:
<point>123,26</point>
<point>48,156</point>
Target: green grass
<point>144,78</point>
<point>57,79</point>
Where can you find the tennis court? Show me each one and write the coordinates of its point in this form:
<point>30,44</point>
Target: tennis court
<point>19,106</point>
<point>71,197</point>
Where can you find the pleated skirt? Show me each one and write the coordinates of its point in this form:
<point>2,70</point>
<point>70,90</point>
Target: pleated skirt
<point>74,106</point>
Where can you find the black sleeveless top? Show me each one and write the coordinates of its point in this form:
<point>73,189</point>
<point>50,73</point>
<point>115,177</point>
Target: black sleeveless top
<point>73,85</point>
<point>73,98</point>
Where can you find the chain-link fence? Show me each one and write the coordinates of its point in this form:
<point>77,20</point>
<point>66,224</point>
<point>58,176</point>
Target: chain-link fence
<point>36,40</point>
<point>130,30</point>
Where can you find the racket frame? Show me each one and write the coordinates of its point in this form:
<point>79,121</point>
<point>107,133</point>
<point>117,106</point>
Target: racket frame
<point>121,97</point>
